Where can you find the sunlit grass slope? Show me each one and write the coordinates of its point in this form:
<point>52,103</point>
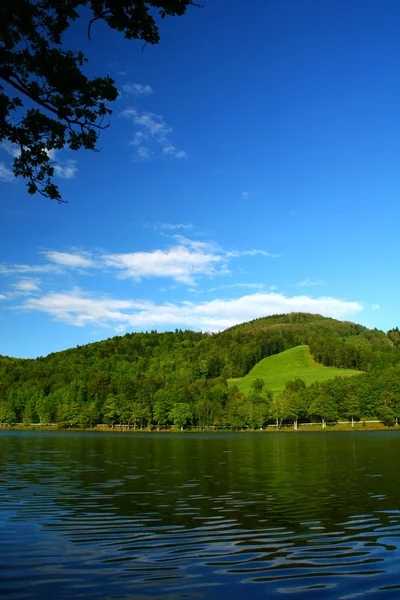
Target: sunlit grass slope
<point>296,362</point>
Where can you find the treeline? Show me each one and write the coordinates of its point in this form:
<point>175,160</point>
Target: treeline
<point>159,379</point>
<point>367,396</point>
<point>212,403</point>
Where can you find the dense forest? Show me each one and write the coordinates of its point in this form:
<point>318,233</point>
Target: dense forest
<point>180,378</point>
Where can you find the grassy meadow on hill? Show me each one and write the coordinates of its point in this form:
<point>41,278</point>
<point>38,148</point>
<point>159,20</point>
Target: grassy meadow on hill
<point>295,363</point>
<point>180,377</point>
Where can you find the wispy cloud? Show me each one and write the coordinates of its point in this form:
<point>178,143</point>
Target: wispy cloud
<point>27,286</point>
<point>73,260</point>
<point>310,282</point>
<point>79,308</point>
<point>11,149</point>
<point>151,133</point>
<point>172,226</point>
<point>3,297</point>
<point>154,125</point>
<point>170,150</point>
<point>375,307</point>
<point>144,152</point>
<point>245,194</point>
<point>228,286</point>
<point>137,89</point>
<point>22,269</point>
<point>254,252</point>
<point>5,173</point>
<point>129,113</point>
<point>182,262</point>
<point>64,169</point>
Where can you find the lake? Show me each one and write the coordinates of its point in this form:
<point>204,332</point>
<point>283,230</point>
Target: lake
<point>166,516</point>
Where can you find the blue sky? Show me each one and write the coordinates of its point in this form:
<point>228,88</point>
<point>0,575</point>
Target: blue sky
<point>251,168</point>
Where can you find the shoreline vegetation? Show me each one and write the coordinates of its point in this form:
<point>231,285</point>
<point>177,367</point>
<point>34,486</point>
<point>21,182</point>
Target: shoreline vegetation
<point>273,374</point>
<point>366,425</point>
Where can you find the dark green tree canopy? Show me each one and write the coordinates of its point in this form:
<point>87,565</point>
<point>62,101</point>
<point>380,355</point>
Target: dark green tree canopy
<point>46,100</point>
<point>162,379</point>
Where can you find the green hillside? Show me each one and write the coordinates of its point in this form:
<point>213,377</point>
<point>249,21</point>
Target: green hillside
<point>158,379</point>
<point>291,364</point>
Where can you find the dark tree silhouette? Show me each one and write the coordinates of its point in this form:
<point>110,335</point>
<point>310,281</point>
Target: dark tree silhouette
<point>46,101</point>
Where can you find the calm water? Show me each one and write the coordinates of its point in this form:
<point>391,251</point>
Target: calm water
<point>169,516</point>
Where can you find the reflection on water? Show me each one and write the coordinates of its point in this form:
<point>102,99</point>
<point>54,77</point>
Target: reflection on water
<point>169,516</point>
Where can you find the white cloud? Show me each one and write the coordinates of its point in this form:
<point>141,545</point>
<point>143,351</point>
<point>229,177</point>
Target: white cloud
<point>129,113</point>
<point>254,252</point>
<point>172,226</point>
<point>3,297</point>
<point>309,282</point>
<point>170,150</point>
<point>27,286</point>
<point>12,149</point>
<point>245,194</point>
<point>68,259</point>
<point>77,308</point>
<point>153,124</point>
<point>5,173</point>
<point>196,244</point>
<point>375,307</point>
<point>66,170</point>
<point>144,153</point>
<point>228,286</point>
<point>220,314</point>
<point>182,262</point>
<point>139,138</point>
<point>22,269</point>
<point>151,128</point>
<point>137,89</point>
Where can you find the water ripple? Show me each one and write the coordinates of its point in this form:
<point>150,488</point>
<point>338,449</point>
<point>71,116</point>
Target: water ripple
<point>281,516</point>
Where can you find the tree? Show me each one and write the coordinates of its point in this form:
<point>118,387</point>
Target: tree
<point>259,415</point>
<point>276,410</point>
<point>160,413</point>
<point>293,401</point>
<point>257,385</point>
<point>207,411</point>
<point>44,409</point>
<point>7,415</point>
<point>352,407</point>
<point>180,414</point>
<point>295,385</point>
<point>325,407</point>
<point>139,414</point>
<point>111,410</point>
<point>386,408</point>
<point>29,414</point>
<point>46,100</point>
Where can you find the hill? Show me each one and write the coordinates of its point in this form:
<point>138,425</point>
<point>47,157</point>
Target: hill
<point>180,377</point>
<point>291,364</point>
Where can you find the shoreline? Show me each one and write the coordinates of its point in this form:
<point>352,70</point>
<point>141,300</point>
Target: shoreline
<point>342,427</point>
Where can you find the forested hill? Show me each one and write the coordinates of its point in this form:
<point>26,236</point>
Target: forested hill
<point>180,376</point>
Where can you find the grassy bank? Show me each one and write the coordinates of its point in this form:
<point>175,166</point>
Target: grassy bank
<point>358,426</point>
<point>292,364</point>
